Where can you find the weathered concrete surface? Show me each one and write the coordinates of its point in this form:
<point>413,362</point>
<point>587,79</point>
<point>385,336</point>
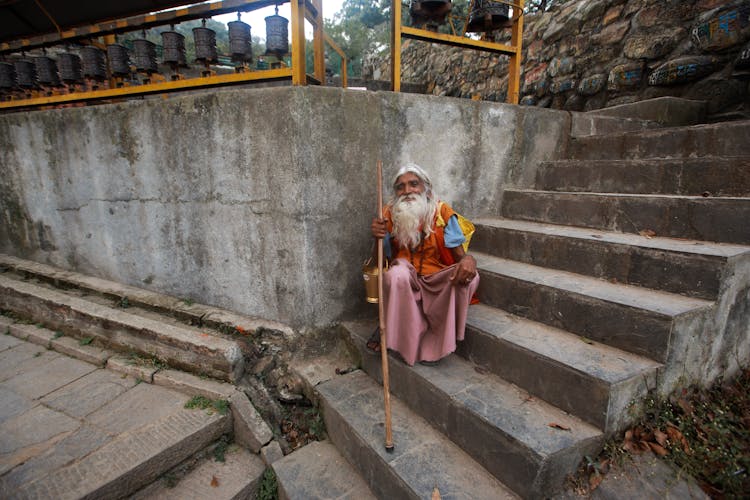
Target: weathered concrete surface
<point>207,195</point>
<point>319,471</point>
<point>69,429</point>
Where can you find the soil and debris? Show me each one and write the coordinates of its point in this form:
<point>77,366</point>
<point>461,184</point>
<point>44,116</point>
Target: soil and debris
<point>702,433</point>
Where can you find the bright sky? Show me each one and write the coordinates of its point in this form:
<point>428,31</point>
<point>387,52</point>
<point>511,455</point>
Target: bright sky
<point>257,18</point>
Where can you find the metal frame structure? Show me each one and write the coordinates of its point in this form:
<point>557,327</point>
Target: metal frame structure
<point>301,10</point>
<point>399,31</point>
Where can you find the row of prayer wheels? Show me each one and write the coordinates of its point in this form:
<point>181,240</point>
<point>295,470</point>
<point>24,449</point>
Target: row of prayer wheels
<point>91,62</point>
<point>484,15</point>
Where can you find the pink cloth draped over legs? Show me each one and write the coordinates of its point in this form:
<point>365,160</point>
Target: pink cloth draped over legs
<point>425,316</point>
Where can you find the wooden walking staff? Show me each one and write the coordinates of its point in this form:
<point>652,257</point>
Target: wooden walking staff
<point>381,314</point>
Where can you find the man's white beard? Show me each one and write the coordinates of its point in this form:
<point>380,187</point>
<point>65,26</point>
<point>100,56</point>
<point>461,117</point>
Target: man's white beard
<point>408,216</point>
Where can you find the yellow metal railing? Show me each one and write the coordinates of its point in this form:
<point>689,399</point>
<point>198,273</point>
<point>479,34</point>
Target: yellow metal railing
<point>344,60</point>
<point>399,31</point>
<point>310,10</point>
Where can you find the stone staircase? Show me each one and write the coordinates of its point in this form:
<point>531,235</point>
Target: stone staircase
<point>96,385</point>
<point>621,270</point>
<point>625,268</point>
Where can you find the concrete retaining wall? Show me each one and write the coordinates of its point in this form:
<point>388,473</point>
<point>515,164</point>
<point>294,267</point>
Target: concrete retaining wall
<point>256,200</point>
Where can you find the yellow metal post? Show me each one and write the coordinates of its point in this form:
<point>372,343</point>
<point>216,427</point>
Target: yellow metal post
<point>396,46</point>
<point>340,52</point>
<point>319,43</point>
<point>299,76</point>
<point>514,67</point>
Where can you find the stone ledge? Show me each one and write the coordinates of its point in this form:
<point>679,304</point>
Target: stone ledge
<point>250,430</point>
<point>193,385</point>
<point>126,366</point>
<point>88,353</point>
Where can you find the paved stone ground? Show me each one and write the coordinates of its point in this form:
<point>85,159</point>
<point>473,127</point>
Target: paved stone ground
<point>69,428</point>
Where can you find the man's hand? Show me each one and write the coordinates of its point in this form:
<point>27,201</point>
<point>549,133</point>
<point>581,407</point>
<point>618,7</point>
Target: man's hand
<point>378,228</point>
<point>465,271</point>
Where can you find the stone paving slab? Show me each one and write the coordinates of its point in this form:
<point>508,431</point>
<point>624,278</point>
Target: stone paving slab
<point>73,447</point>
<point>23,357</point>
<point>131,460</point>
<point>38,381</point>
<point>12,404</point>
<point>319,471</point>
<point>137,407</point>
<point>193,385</point>
<point>31,433</point>
<point>239,477</point>
<point>71,430</point>
<point>89,393</point>
<point>7,341</point>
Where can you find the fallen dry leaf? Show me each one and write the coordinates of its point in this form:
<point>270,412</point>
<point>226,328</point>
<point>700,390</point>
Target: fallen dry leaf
<point>595,480</point>
<point>647,233</point>
<point>436,494</point>
<point>661,437</point>
<point>559,426</point>
<point>214,482</point>
<point>658,449</point>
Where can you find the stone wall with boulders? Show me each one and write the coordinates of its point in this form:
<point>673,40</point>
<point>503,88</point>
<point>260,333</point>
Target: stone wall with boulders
<point>590,54</point>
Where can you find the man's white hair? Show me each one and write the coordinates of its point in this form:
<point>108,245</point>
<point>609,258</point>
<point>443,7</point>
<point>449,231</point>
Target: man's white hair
<point>405,226</point>
<point>419,172</point>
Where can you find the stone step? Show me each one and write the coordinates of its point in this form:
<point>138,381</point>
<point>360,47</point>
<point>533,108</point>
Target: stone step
<point>238,476</point>
<point>184,310</point>
<point>706,176</point>
<point>720,139</point>
<point>117,442</point>
<point>423,459</point>
<point>187,348</point>
<point>498,424</point>
<point>687,267</point>
<point>318,470</point>
<point>592,381</point>
<point>635,319</point>
<point>692,217</point>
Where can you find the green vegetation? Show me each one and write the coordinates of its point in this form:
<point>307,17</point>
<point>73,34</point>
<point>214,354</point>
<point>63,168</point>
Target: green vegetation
<point>57,334</point>
<point>220,406</point>
<point>220,449</point>
<point>123,303</point>
<point>86,340</point>
<point>269,489</point>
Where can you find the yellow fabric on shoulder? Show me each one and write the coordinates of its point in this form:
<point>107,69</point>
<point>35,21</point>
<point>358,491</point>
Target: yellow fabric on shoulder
<point>465,224</point>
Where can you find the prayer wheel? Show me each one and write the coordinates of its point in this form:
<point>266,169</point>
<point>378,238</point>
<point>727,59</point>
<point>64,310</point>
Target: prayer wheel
<point>277,35</point>
<point>25,74</point>
<point>70,67</point>
<point>144,56</point>
<point>240,41</point>
<point>119,61</point>
<point>46,71</point>
<point>205,45</point>
<point>94,63</point>
<point>487,15</point>
<point>7,76</point>
<point>174,48</point>
<point>429,11</point>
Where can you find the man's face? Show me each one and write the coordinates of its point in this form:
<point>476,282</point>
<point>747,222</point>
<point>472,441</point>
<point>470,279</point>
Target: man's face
<point>408,184</point>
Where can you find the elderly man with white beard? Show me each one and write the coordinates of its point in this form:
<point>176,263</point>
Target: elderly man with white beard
<point>430,282</point>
